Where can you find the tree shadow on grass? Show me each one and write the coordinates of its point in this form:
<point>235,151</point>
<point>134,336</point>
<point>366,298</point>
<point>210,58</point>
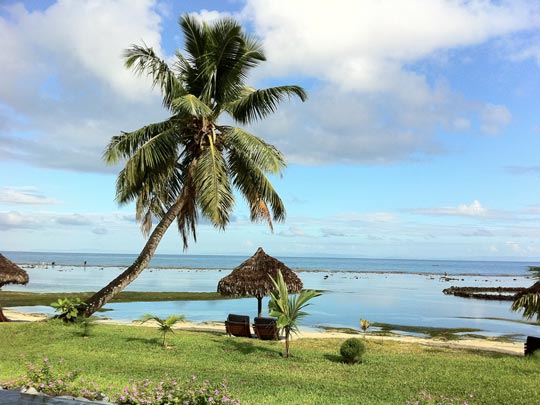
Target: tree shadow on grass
<point>245,346</point>
<point>335,358</point>
<point>148,341</point>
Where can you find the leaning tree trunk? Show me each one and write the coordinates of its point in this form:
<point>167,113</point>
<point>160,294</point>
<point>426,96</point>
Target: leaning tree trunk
<point>132,272</point>
<point>3,318</point>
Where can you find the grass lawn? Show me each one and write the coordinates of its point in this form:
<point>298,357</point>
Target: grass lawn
<point>19,298</point>
<point>391,372</point>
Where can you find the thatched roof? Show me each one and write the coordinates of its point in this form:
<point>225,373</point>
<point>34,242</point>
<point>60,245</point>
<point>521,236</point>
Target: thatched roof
<point>534,289</point>
<point>10,273</point>
<point>252,279</point>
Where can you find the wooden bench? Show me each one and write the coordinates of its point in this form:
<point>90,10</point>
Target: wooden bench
<point>531,345</point>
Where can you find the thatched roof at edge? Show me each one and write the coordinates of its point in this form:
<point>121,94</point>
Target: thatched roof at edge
<point>534,289</point>
<point>252,279</point>
<point>10,273</point>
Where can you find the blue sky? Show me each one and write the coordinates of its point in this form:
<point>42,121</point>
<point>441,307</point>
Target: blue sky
<point>420,137</point>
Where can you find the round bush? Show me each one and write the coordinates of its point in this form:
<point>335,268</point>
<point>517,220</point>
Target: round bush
<point>352,350</point>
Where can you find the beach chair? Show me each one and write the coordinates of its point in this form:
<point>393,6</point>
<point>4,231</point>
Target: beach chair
<point>266,328</point>
<point>238,325</point>
<point>531,345</point>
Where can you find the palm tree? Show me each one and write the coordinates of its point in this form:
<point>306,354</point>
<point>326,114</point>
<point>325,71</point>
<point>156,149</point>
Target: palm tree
<point>528,300</point>
<point>188,165</point>
<point>287,309</point>
<point>164,325</point>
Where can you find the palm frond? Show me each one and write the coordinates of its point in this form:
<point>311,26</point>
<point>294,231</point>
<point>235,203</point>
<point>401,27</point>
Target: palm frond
<point>530,304</point>
<point>188,216</point>
<point>255,187</point>
<point>195,35</point>
<point>258,104</point>
<point>150,317</point>
<point>125,145</point>
<point>143,60</point>
<point>171,320</point>
<point>191,105</point>
<point>263,154</point>
<point>287,309</point>
<point>211,180</point>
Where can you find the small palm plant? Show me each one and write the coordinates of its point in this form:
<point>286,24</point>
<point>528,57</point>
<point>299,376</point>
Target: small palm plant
<point>287,309</point>
<point>364,325</point>
<point>529,299</point>
<point>164,325</point>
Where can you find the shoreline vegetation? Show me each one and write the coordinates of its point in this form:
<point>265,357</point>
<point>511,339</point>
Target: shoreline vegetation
<point>485,293</point>
<point>256,372</point>
<point>16,298</point>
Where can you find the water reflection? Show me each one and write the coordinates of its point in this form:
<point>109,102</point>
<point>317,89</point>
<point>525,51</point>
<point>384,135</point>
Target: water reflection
<point>404,299</point>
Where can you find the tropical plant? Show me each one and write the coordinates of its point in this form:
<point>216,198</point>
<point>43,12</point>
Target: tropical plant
<point>187,166</point>
<point>288,310</point>
<point>364,325</point>
<point>69,308</point>
<point>352,350</point>
<point>529,299</point>
<point>164,325</point>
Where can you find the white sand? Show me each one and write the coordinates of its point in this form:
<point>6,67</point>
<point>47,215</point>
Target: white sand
<point>515,348</point>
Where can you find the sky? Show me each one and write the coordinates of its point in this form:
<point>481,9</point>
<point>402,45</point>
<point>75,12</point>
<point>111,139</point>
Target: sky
<point>420,138</point>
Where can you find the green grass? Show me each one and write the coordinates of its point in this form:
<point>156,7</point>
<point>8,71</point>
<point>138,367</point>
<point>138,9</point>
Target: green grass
<point>13,298</point>
<point>391,372</point>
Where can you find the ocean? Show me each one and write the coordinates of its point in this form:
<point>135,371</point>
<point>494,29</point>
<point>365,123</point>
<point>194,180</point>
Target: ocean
<point>401,292</point>
<point>455,267</point>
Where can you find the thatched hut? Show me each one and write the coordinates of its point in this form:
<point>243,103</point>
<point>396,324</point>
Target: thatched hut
<point>252,278</point>
<point>10,273</point>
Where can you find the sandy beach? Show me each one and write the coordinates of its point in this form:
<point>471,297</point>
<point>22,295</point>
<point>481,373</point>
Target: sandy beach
<point>515,348</point>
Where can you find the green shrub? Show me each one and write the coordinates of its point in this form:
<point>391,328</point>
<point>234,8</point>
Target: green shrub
<point>352,350</point>
<point>69,308</point>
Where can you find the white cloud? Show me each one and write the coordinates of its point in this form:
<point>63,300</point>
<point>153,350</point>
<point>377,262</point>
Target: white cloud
<point>73,220</point>
<point>64,90</point>
<point>494,118</point>
<point>372,106</point>
<point>293,231</point>
<point>16,220</point>
<point>24,195</point>
<point>475,209</point>
<point>365,39</point>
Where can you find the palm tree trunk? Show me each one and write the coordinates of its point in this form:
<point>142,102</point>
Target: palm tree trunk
<point>132,272</point>
<point>287,337</point>
<point>3,318</point>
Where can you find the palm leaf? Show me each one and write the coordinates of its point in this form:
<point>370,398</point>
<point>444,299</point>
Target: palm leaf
<point>125,145</point>
<point>264,155</point>
<point>530,304</point>
<point>211,180</point>
<point>143,60</point>
<point>251,181</point>
<point>189,104</point>
<point>258,104</point>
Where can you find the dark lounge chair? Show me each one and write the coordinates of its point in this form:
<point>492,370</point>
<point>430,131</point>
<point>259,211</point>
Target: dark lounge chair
<point>238,325</point>
<point>531,345</point>
<point>266,328</point>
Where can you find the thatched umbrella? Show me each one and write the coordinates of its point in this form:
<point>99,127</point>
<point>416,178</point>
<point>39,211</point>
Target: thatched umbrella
<point>529,301</point>
<point>10,273</point>
<point>251,278</point>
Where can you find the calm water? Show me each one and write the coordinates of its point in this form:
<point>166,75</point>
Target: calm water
<point>404,292</point>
